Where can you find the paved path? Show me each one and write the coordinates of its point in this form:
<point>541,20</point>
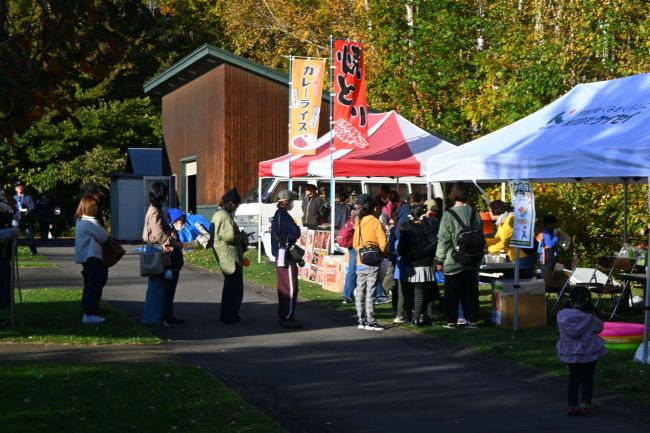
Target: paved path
<point>330,377</point>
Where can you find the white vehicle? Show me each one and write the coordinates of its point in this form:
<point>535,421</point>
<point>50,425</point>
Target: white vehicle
<point>248,213</point>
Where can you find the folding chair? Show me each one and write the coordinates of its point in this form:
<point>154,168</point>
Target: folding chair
<point>610,286</point>
<point>559,282</point>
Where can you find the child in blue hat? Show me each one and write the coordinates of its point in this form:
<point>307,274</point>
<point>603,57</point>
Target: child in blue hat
<point>173,269</point>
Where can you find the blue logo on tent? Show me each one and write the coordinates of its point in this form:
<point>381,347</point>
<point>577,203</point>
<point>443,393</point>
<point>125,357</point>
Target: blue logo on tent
<point>557,119</point>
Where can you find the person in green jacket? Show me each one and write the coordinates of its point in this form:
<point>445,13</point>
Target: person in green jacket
<point>461,282</point>
<point>228,244</point>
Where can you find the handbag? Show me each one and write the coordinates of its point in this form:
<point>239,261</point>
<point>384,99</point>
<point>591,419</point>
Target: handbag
<point>370,253</point>
<point>112,252</point>
<point>151,261</point>
<point>296,253</point>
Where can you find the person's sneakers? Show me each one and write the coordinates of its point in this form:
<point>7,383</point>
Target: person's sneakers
<point>88,319</point>
<point>461,321</point>
<point>471,325</point>
<point>291,324</point>
<point>573,411</point>
<point>382,300</point>
<point>400,319</point>
<point>362,324</point>
<point>450,325</point>
<point>373,326</point>
<point>584,411</point>
<point>347,301</point>
<point>33,250</point>
<point>173,321</point>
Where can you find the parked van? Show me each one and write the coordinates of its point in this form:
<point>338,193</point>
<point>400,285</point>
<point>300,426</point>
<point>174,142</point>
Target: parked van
<point>248,212</point>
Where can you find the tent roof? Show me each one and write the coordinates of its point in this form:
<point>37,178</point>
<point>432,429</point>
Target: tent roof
<point>597,132</point>
<point>397,148</point>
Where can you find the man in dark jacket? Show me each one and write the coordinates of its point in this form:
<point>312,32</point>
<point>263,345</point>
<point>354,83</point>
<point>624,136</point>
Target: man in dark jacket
<point>313,208</point>
<point>26,211</point>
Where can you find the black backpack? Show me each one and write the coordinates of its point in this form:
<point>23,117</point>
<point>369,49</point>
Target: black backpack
<point>469,247</point>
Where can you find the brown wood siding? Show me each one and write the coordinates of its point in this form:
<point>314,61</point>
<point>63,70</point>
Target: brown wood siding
<point>231,120</point>
<point>193,125</point>
<point>256,124</point>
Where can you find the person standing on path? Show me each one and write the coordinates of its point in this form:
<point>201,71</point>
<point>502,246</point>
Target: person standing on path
<point>461,281</point>
<point>228,244</point>
<point>26,212</point>
<point>368,230</point>
<point>89,237</point>
<point>156,232</point>
<point>580,347</point>
<point>284,233</point>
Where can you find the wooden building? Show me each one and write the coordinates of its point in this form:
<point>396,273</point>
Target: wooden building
<point>221,115</point>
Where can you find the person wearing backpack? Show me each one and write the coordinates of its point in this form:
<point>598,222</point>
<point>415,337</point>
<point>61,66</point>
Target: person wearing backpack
<point>417,247</point>
<point>459,255</point>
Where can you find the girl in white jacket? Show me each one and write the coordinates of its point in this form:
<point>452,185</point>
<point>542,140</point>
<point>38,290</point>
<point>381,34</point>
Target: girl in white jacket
<point>89,237</point>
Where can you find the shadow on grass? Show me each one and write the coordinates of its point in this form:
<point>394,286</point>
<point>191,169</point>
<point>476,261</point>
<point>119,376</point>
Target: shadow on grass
<point>54,316</point>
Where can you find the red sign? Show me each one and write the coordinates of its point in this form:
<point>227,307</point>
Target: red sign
<point>350,105</point>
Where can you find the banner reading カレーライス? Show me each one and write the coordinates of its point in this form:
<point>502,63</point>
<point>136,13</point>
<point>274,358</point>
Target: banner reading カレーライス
<point>350,105</point>
<point>304,108</point>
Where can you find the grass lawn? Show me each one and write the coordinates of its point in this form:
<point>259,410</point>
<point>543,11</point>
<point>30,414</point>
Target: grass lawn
<point>144,398</point>
<point>532,347</point>
<point>53,316</point>
<point>26,260</point>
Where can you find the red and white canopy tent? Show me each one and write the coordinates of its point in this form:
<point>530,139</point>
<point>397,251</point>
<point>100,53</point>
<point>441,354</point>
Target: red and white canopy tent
<point>397,148</point>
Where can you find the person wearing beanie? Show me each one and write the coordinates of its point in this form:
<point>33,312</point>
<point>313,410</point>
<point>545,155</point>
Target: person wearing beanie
<point>228,245</point>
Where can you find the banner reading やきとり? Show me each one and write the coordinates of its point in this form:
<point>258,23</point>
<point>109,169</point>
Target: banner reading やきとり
<point>305,99</point>
<point>350,105</point>
<point>523,201</point>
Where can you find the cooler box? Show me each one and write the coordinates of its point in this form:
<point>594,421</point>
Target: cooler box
<point>532,303</point>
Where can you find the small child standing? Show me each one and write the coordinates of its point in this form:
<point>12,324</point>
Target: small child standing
<point>580,347</point>
<point>173,269</point>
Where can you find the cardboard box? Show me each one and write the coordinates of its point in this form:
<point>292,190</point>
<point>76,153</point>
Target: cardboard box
<point>532,303</point>
<point>332,275</point>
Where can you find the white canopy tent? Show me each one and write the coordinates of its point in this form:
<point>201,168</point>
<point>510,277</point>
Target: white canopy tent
<point>597,132</point>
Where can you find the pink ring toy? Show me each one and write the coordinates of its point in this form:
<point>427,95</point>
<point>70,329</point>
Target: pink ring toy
<point>621,329</point>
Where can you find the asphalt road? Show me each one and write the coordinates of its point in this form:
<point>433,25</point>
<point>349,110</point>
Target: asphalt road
<point>331,377</point>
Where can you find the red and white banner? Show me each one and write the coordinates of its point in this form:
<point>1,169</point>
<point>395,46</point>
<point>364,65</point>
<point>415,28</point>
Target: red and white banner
<point>350,126</point>
<point>304,110</point>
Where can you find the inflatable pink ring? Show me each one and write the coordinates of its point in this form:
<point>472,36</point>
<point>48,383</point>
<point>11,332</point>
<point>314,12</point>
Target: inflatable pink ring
<point>621,329</point>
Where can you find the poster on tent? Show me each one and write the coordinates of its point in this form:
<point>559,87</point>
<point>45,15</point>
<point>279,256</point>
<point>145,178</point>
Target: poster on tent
<point>350,122</point>
<point>305,95</point>
<point>523,202</point>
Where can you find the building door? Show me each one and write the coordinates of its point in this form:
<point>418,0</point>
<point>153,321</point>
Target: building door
<point>190,190</point>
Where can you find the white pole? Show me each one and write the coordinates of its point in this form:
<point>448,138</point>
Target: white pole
<point>515,290</point>
<point>332,214</point>
<point>625,188</point>
<point>259,220</point>
<point>646,298</point>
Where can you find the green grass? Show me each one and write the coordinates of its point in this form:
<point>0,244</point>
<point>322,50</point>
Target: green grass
<point>53,316</point>
<point>533,347</point>
<point>147,398</point>
<point>26,260</point>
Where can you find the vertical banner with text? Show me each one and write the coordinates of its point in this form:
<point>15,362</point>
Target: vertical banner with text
<point>350,105</point>
<point>305,97</point>
<point>523,201</point>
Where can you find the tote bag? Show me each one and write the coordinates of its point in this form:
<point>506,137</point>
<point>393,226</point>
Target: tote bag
<point>151,261</point>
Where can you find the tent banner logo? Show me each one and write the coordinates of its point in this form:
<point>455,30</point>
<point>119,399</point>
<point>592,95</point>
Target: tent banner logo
<point>609,115</point>
<point>350,104</point>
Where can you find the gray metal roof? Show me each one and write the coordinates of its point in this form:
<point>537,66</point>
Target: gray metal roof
<point>144,162</point>
<point>198,62</point>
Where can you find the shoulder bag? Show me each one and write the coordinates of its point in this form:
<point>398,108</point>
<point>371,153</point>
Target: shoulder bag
<point>151,261</point>
<point>112,252</point>
<point>370,253</point>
